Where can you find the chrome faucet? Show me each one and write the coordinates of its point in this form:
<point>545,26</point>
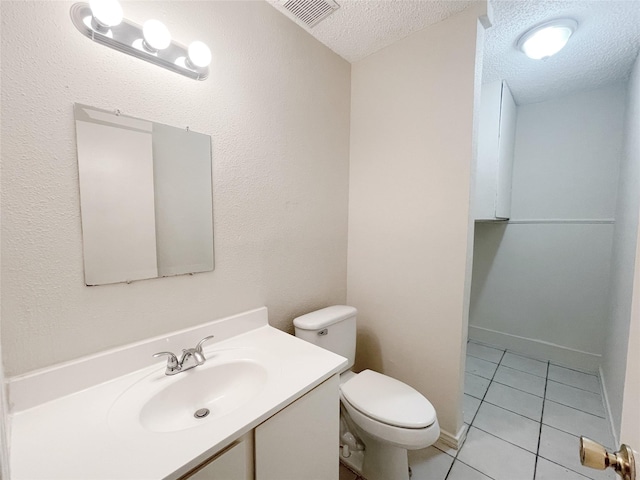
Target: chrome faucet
<point>176,366</point>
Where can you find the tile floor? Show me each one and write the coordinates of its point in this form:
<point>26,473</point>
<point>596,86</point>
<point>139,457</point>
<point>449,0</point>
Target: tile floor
<point>525,417</point>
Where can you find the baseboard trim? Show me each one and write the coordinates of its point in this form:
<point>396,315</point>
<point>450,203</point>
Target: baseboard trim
<point>453,441</point>
<point>607,407</point>
<point>561,355</point>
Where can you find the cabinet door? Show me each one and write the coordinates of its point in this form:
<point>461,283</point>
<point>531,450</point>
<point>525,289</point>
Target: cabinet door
<point>487,155</point>
<point>506,146</point>
<point>496,142</point>
<point>233,463</point>
<point>301,441</point>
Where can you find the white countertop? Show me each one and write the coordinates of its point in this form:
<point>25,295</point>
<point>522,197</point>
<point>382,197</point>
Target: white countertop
<point>70,437</point>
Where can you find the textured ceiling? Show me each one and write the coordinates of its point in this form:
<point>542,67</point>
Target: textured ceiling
<point>601,51</point>
<point>361,27</point>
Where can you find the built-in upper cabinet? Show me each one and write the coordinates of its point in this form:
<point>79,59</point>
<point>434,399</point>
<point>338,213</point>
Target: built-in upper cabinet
<point>496,142</point>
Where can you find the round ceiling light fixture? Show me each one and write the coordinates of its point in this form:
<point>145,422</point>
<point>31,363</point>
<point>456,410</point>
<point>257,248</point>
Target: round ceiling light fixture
<point>547,39</point>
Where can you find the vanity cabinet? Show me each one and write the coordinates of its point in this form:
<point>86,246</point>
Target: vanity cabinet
<point>301,441</point>
<point>233,463</point>
<point>496,142</point>
<point>298,441</point>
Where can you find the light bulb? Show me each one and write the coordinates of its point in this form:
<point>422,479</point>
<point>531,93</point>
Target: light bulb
<point>107,13</point>
<point>199,54</point>
<point>547,39</point>
<point>156,35</point>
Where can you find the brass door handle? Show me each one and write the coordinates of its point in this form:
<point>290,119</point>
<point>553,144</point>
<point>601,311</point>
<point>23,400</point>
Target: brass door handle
<point>594,455</point>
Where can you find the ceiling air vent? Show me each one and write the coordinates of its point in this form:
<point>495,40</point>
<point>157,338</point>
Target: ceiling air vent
<point>311,12</point>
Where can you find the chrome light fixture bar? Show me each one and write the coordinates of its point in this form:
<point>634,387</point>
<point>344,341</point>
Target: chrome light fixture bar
<point>135,40</point>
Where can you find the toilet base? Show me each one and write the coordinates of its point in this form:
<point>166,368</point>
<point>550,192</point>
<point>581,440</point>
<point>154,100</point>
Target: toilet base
<point>353,461</point>
<point>379,460</point>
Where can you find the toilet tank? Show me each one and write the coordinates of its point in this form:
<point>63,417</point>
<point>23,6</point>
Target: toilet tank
<point>332,328</point>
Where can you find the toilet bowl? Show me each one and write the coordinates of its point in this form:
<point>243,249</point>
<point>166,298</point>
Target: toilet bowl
<point>389,417</point>
<point>381,417</point>
<point>390,410</point>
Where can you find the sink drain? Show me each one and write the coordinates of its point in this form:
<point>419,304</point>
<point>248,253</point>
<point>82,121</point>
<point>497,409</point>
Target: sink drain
<point>203,412</point>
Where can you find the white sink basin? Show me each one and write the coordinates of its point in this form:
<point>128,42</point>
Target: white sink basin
<point>161,403</point>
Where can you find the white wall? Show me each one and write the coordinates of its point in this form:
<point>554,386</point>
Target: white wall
<point>4,428</point>
<point>4,419</point>
<point>567,156</point>
<point>277,108</point>
<point>624,273</point>
<point>4,423</point>
<point>540,283</point>
<point>411,150</point>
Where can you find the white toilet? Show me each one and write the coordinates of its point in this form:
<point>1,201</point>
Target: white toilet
<point>381,417</point>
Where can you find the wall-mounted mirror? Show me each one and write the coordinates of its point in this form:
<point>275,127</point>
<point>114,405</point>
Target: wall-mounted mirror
<point>145,197</point>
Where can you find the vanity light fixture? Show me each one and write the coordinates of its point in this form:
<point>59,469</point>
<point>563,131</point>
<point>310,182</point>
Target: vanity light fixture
<point>547,39</point>
<point>106,13</point>
<point>103,22</point>
<point>156,36</point>
<point>199,54</point>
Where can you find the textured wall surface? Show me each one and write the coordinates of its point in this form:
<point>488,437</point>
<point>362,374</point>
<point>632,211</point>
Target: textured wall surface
<point>547,279</point>
<point>277,108</point>
<point>623,273</point>
<point>409,208</point>
<point>4,426</point>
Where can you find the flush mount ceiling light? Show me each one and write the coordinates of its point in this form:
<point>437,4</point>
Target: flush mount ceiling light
<point>102,21</point>
<point>547,39</point>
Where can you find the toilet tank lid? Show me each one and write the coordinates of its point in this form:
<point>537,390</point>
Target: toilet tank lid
<point>323,318</point>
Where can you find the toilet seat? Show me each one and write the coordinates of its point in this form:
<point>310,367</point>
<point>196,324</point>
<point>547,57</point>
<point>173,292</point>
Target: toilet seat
<point>406,438</point>
<point>388,401</point>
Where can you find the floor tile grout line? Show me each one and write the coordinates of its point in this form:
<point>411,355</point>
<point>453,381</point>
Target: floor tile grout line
<point>551,363</point>
<point>564,466</point>
<point>572,434</point>
<point>505,441</point>
<point>474,417</point>
<point>487,390</point>
<point>524,356</point>
<point>568,433</point>
<point>573,369</point>
<point>510,386</point>
<point>521,371</point>
<point>483,400</point>
<point>546,381</point>
<point>474,468</point>
<point>575,408</point>
<point>480,358</point>
<point>515,413</point>
<point>486,345</point>
<point>573,386</point>
<point>519,389</point>
<point>450,468</point>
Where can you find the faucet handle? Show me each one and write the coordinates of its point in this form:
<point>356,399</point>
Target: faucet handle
<point>172,361</point>
<point>201,342</point>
